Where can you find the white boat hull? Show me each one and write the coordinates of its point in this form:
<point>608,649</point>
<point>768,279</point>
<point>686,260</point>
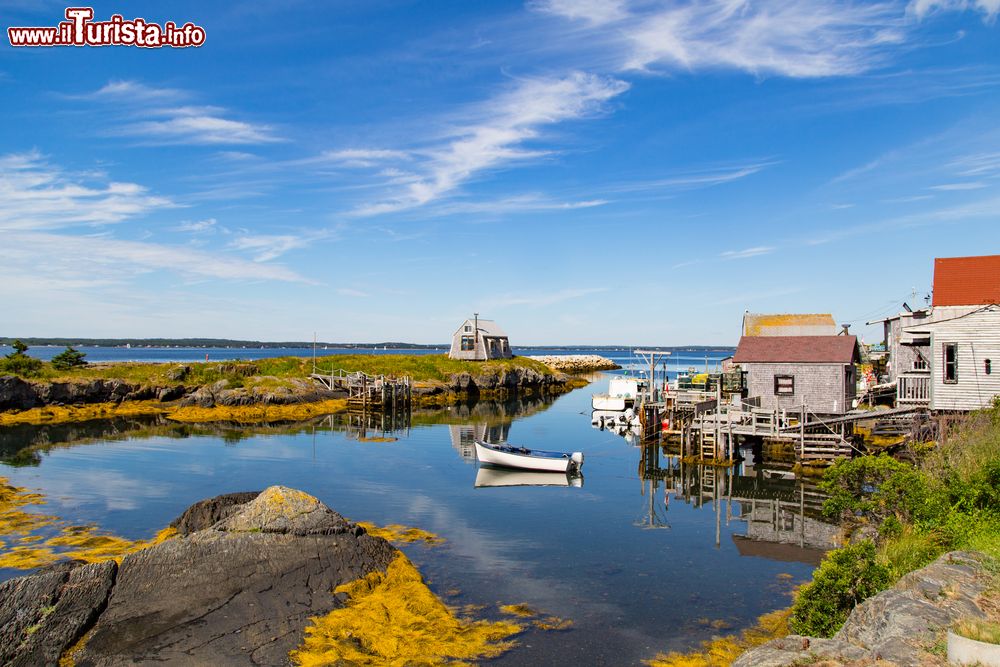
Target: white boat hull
<point>526,459</point>
<point>610,403</point>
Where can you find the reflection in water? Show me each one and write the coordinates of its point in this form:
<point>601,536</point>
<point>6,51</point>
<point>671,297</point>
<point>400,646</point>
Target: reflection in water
<point>783,515</point>
<point>490,476</point>
<point>512,541</point>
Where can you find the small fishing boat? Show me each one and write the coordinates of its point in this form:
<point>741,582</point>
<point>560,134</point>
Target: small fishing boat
<point>509,456</point>
<point>621,394</point>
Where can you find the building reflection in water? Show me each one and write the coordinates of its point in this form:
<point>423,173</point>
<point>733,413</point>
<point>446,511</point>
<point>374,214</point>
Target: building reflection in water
<point>782,514</point>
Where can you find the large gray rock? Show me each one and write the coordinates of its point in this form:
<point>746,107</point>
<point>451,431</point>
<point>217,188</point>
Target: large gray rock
<point>206,513</point>
<point>897,626</point>
<point>16,394</point>
<point>44,614</point>
<point>237,587</point>
<point>795,650</point>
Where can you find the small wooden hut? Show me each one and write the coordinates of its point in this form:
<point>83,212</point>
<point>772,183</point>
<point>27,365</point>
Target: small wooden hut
<point>479,340</point>
<point>787,372</point>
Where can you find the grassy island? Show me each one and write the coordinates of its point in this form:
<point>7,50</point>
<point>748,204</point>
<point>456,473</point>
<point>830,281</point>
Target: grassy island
<point>262,390</point>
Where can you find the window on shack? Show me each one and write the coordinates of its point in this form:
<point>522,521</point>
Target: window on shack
<point>951,363</point>
<point>784,385</point>
<point>468,343</point>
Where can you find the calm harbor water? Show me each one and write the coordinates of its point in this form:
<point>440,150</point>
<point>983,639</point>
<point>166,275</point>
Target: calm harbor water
<point>645,556</point>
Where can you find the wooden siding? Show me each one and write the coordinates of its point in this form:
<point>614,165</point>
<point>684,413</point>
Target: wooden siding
<point>819,386</point>
<point>978,339</point>
<point>487,346</point>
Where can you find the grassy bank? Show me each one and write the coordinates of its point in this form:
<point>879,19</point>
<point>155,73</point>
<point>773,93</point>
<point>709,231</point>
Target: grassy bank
<point>908,515</point>
<point>420,367</point>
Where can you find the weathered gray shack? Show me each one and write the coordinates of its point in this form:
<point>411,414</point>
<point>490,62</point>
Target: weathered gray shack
<point>479,340</point>
<point>787,372</point>
<point>963,353</point>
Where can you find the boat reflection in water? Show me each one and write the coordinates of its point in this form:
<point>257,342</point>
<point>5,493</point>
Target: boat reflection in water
<point>492,476</point>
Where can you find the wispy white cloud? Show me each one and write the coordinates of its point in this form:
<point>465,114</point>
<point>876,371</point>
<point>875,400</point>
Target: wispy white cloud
<point>697,178</point>
<point>266,247</point>
<point>362,157</point>
<point>119,90</point>
<point>971,185</point>
<point>197,125</point>
<point>347,291</point>
<point>66,259</point>
<point>961,213</point>
<point>197,226</point>
<point>594,12</point>
<point>515,204</point>
<point>977,164</point>
<point>173,121</point>
<point>498,135</point>
<point>921,8</point>
<point>907,200</point>
<point>543,299</point>
<point>795,38</point>
<point>747,252</point>
<point>37,195</point>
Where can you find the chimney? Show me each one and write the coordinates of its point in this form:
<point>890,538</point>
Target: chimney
<point>475,329</point>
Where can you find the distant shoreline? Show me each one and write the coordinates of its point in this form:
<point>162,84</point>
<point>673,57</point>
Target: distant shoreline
<point>226,344</point>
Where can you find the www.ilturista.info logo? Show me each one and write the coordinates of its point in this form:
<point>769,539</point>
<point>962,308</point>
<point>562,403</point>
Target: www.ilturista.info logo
<point>81,30</point>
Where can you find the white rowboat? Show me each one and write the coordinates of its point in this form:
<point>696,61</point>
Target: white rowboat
<point>509,456</point>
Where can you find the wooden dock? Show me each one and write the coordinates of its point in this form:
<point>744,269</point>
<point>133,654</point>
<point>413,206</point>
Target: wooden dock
<point>368,393</point>
<point>714,434</point>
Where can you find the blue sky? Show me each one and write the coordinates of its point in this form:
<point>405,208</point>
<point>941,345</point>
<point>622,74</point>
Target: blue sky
<point>590,172</point>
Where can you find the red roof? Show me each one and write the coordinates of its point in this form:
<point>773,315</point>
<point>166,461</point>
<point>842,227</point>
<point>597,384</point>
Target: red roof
<point>796,349</point>
<point>967,281</point>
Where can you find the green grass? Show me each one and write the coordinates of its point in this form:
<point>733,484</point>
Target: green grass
<point>420,367</point>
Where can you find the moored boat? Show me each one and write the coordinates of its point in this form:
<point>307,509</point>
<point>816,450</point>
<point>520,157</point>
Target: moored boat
<point>621,395</point>
<point>510,456</point>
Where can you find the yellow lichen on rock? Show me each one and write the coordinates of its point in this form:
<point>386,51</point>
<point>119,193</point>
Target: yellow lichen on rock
<point>393,618</point>
<point>552,623</point>
<point>722,651</point>
<point>397,533</point>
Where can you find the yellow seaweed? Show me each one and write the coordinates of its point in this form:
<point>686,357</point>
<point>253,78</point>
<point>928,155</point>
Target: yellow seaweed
<point>26,548</point>
<point>54,414</point>
<point>522,610</point>
<point>722,651</point>
<point>397,533</point>
<point>393,618</point>
<point>551,623</point>
<point>247,414</point>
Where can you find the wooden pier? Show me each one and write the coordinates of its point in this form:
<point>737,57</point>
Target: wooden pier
<point>714,434</point>
<point>369,393</point>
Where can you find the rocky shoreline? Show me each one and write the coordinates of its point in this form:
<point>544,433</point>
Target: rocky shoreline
<point>18,395</point>
<point>577,363</point>
<point>237,585</point>
<point>899,626</point>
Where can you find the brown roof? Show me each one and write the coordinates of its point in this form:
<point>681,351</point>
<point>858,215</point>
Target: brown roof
<point>967,281</point>
<point>796,349</point>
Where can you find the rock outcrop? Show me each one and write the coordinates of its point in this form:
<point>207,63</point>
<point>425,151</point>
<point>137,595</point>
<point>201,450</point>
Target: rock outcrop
<point>236,587</point>
<point>898,626</point>
<point>220,393</point>
<point>19,394</point>
<point>577,363</point>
